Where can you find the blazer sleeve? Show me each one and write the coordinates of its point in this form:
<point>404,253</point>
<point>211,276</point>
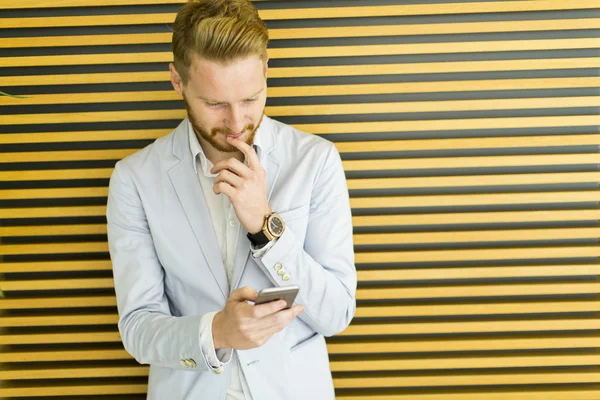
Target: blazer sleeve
<point>148,330</point>
<point>323,266</point>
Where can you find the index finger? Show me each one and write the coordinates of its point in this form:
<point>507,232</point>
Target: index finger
<point>248,151</point>
<point>243,294</point>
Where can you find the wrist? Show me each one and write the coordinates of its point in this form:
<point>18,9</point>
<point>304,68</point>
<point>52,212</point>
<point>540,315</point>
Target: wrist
<point>260,223</point>
<point>218,335</point>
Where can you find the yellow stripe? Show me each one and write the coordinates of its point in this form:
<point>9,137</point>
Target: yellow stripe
<point>478,273</point>
<point>456,143</point>
<point>488,236</point>
<point>52,266</point>
<point>554,393</point>
<point>342,127</point>
<point>477,254</point>
<point>77,373</point>
<point>322,109</point>
<point>63,355</point>
<point>340,70</point>
<point>449,380</point>
<point>346,12</point>
<point>350,165</point>
<point>339,383</point>
<point>471,327</point>
<point>480,308</point>
<point>49,212</point>
<point>317,33</point>
<point>375,220</point>
<point>565,139</point>
<point>438,291</point>
<point>312,52</point>
<point>473,199</point>
<point>449,124</point>
<point>324,90</point>
<point>467,162</point>
<point>23,4</point>
<point>65,320</point>
<point>75,390</point>
<point>455,362</point>
<point>472,180</point>
<point>353,184</point>
<point>475,218</point>
<point>361,258</point>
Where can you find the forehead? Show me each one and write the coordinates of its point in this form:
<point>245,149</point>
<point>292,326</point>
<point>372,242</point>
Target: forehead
<point>226,82</point>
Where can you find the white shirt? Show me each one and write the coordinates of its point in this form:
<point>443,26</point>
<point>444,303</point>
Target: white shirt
<point>226,226</point>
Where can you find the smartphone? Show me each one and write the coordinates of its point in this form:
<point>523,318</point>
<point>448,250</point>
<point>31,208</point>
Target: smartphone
<point>287,293</point>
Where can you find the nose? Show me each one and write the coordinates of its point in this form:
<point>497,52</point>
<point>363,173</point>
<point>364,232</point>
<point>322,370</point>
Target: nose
<point>236,120</point>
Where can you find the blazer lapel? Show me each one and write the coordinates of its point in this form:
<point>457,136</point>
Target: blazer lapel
<point>189,192</point>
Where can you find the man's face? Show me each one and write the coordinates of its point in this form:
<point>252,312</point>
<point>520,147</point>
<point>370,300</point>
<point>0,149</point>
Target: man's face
<point>224,100</point>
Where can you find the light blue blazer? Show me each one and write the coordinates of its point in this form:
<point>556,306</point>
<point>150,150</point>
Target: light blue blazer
<point>168,270</point>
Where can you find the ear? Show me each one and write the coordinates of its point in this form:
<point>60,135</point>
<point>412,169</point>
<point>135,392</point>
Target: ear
<point>176,80</point>
<point>267,66</point>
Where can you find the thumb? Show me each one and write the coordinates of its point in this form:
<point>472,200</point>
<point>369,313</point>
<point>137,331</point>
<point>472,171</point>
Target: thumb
<point>243,294</point>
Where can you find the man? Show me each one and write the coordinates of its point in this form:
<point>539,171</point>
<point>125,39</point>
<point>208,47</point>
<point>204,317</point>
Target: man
<point>229,203</point>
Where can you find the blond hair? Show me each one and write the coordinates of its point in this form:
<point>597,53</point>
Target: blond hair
<point>218,30</point>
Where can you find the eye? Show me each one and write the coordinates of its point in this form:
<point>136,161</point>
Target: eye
<point>251,100</point>
<point>215,105</point>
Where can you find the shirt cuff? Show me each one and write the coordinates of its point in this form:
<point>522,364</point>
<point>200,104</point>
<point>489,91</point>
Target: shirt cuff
<point>258,253</point>
<point>214,358</point>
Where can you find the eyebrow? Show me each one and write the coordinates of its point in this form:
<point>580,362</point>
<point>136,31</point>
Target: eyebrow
<point>223,102</point>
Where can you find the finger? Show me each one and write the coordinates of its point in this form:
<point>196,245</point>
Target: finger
<point>248,151</point>
<point>226,189</point>
<point>246,293</point>
<point>262,310</point>
<point>274,323</point>
<point>228,177</point>
<point>233,165</point>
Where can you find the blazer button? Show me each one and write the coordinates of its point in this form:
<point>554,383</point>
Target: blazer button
<point>281,272</point>
<point>219,370</point>
<point>278,267</point>
<point>286,277</point>
<point>191,362</point>
<point>185,363</point>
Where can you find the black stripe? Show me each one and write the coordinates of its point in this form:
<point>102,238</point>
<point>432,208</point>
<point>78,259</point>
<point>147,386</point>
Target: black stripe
<point>299,101</point>
<point>313,42</point>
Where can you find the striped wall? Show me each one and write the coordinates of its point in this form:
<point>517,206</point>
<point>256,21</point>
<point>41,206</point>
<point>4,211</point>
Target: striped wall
<point>469,132</point>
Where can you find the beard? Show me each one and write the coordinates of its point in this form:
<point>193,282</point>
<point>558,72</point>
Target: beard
<point>211,137</point>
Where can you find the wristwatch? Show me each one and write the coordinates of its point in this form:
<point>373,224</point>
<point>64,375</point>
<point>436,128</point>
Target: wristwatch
<point>272,228</point>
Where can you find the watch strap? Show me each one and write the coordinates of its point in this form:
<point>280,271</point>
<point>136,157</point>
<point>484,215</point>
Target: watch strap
<point>258,239</point>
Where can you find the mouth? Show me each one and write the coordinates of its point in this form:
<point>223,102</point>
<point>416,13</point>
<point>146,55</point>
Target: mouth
<point>236,136</point>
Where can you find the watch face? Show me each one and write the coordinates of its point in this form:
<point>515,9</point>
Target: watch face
<point>276,226</point>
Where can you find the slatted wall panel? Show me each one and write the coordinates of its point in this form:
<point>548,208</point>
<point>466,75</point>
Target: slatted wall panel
<point>469,133</point>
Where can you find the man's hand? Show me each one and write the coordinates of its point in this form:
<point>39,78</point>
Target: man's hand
<point>243,326</point>
<point>245,186</point>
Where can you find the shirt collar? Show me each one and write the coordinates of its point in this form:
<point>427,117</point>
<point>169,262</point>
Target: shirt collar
<point>205,163</point>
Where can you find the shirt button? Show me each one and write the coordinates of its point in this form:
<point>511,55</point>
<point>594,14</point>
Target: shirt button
<point>219,370</point>
<point>231,223</point>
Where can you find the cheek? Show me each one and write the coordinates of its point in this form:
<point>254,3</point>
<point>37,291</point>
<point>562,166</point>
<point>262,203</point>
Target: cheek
<point>210,118</point>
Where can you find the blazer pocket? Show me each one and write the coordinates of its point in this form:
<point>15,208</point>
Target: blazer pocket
<point>305,342</point>
<point>294,213</point>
